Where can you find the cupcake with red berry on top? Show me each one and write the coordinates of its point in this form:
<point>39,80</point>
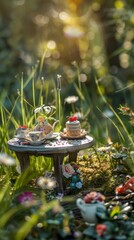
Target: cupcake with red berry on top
<point>73,127</point>
<point>22,131</point>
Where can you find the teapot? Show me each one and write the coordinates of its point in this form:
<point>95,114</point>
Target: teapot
<point>44,126</point>
<point>89,210</point>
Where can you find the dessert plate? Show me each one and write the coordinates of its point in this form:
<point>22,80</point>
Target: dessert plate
<point>65,136</point>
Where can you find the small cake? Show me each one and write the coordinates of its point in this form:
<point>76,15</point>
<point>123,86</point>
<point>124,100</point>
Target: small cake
<point>22,131</point>
<point>73,127</point>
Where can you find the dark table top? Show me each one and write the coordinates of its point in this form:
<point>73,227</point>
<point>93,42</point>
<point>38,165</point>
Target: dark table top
<point>56,145</point>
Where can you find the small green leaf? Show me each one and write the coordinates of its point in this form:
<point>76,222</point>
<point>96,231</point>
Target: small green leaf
<point>115,211</point>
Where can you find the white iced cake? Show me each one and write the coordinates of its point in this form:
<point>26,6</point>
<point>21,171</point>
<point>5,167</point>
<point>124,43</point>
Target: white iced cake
<point>73,127</point>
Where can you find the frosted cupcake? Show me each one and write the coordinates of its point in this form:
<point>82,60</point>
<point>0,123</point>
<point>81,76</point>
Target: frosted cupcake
<point>73,127</point>
<point>22,131</point>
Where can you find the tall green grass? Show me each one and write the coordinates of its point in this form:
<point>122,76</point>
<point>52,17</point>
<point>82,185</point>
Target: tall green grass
<point>35,90</point>
<point>22,113</point>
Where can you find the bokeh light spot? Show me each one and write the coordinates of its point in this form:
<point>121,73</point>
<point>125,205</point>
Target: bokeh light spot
<point>73,31</point>
<point>119,4</point>
<point>96,6</point>
<point>18,2</point>
<point>64,16</point>
<point>83,77</point>
<point>127,45</point>
<point>40,20</point>
<point>51,44</point>
<point>124,60</point>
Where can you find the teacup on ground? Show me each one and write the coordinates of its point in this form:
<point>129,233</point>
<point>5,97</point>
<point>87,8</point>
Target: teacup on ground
<point>35,135</point>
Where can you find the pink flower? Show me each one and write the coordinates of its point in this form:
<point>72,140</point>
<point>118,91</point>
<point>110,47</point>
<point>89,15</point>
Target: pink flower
<point>100,229</point>
<point>24,197</point>
<point>75,166</point>
<point>92,197</point>
<point>68,170</point>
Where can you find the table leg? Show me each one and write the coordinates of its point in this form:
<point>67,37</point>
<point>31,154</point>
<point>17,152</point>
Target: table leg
<point>58,161</point>
<point>73,156</point>
<point>23,160</point>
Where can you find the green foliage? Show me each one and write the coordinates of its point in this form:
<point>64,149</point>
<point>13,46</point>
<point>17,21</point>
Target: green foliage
<point>76,43</point>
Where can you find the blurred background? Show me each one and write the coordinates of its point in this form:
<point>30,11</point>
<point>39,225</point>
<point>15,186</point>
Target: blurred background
<point>89,43</point>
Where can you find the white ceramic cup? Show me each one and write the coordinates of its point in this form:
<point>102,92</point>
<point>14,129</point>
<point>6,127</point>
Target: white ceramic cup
<point>35,135</point>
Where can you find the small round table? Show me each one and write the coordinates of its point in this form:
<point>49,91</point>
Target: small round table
<point>57,149</point>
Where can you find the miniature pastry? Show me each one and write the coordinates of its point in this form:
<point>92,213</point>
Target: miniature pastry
<point>73,127</point>
<point>22,131</point>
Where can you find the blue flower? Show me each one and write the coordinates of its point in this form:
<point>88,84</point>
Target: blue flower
<point>79,184</point>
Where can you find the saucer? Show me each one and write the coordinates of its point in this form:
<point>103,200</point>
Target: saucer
<point>51,136</point>
<point>65,136</point>
<point>42,140</point>
<point>36,143</point>
<point>21,138</point>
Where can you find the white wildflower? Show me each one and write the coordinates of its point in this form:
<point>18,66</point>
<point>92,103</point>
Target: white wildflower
<point>47,109</point>
<point>43,108</point>
<point>104,149</point>
<point>71,99</point>
<point>46,183</point>
<point>7,160</point>
<point>37,110</point>
<point>79,115</point>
